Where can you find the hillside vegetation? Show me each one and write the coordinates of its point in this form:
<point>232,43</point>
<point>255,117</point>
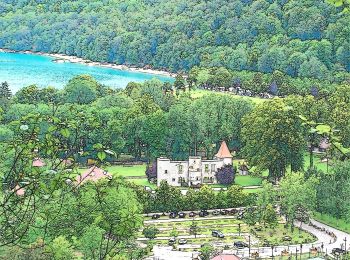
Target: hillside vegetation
<point>308,38</point>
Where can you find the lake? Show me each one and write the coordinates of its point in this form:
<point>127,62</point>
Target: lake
<point>21,70</point>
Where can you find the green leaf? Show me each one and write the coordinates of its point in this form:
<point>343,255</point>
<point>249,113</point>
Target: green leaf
<point>65,132</point>
<point>101,155</point>
<point>98,146</point>
<point>323,129</point>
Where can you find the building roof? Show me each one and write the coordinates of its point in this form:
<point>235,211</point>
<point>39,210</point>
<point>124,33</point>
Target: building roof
<point>92,174</point>
<point>226,257</point>
<point>324,144</point>
<point>19,191</point>
<point>38,163</point>
<point>223,152</point>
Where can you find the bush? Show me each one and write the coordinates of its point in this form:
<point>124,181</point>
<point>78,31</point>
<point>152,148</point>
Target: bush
<point>151,171</point>
<point>225,175</point>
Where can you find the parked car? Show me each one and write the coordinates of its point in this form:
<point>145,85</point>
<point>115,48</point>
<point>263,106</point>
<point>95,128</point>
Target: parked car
<point>216,233</point>
<point>216,212</point>
<point>287,238</point>
<point>224,212</point>
<point>182,215</point>
<point>240,244</point>
<point>171,241</point>
<point>203,213</point>
<point>172,215</point>
<point>240,215</point>
<point>338,251</point>
<point>182,241</point>
<point>192,214</point>
<point>233,211</point>
<point>155,216</point>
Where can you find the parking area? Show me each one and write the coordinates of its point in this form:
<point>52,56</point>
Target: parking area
<point>223,229</point>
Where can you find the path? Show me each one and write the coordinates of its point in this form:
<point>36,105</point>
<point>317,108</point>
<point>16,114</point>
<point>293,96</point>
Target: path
<point>323,238</point>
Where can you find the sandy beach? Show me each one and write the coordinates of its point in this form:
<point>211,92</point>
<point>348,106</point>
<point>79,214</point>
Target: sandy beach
<point>60,58</point>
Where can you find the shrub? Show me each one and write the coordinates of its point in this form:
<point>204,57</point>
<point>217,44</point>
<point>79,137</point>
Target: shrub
<point>151,171</point>
<point>225,175</point>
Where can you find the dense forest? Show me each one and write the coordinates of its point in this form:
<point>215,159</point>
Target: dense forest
<point>307,38</point>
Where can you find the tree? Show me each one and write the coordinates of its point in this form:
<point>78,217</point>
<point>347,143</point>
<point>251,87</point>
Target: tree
<point>269,216</point>
<point>225,175</point>
<point>313,68</point>
<point>206,251</point>
<point>61,249</point>
<point>180,82</point>
<point>91,240</point>
<point>273,136</point>
<point>174,233</point>
<point>167,198</point>
<point>151,171</point>
<point>150,232</point>
<point>332,190</point>
<point>297,195</point>
<point>5,91</point>
<point>194,229</point>
<point>235,196</point>
<point>206,197</point>
<point>81,89</point>
<point>29,95</point>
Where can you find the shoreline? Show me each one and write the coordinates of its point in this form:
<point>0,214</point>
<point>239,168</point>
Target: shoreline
<point>62,58</point>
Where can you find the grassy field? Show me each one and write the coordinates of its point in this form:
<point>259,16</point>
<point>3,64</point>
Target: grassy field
<point>127,171</point>
<point>333,222</point>
<point>143,182</point>
<point>201,92</point>
<point>247,180</point>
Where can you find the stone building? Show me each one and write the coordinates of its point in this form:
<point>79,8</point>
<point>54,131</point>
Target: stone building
<point>194,171</point>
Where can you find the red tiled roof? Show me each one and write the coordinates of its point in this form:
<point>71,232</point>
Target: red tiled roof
<point>226,257</point>
<point>223,152</point>
<point>93,174</point>
<point>38,163</point>
<point>19,191</point>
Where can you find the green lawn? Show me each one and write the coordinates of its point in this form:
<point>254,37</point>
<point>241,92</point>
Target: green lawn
<point>127,171</point>
<point>333,222</point>
<point>252,190</point>
<point>143,182</point>
<point>201,92</point>
<point>247,180</point>
<point>317,162</point>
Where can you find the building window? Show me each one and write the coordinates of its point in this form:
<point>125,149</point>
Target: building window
<point>197,178</point>
<point>166,171</point>
<point>180,169</point>
<point>213,168</point>
<point>206,167</point>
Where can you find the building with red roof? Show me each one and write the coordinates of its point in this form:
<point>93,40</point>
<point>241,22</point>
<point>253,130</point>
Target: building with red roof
<point>93,174</point>
<point>38,163</point>
<point>226,257</point>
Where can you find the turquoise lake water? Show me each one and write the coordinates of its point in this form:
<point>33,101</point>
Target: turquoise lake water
<point>21,70</point>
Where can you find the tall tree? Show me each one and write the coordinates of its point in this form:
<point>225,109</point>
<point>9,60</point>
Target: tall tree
<point>273,137</point>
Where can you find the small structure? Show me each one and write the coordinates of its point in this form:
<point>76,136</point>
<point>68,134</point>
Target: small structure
<point>19,191</point>
<point>193,172</point>
<point>38,163</point>
<point>92,174</point>
<point>243,169</point>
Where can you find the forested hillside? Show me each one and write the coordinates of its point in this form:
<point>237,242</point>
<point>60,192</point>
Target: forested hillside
<point>308,38</point>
